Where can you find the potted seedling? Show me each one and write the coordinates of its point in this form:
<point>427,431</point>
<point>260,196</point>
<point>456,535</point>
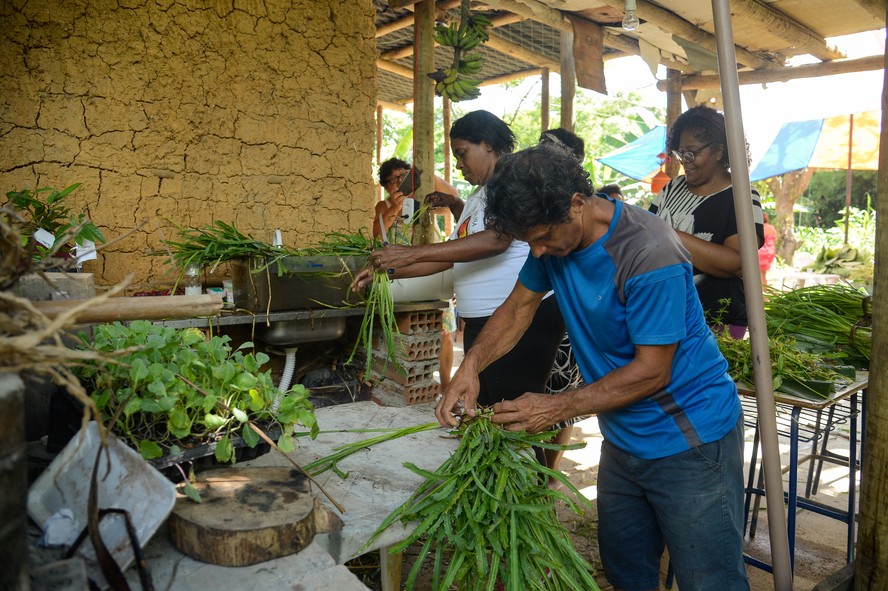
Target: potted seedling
<point>174,390</point>
<point>53,238</point>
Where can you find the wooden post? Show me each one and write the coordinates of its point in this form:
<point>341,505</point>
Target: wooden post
<point>872,537</point>
<point>673,110</point>
<point>848,173</point>
<point>13,484</point>
<point>568,80</point>
<point>544,100</point>
<point>424,112</point>
<point>445,107</point>
<point>378,149</point>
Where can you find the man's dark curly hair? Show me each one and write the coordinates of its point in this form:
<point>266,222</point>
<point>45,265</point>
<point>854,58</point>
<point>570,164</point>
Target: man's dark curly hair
<point>706,125</point>
<point>533,188</point>
<point>389,166</point>
<point>484,126</point>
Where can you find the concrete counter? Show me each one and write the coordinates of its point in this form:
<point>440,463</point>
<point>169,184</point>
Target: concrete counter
<point>377,484</point>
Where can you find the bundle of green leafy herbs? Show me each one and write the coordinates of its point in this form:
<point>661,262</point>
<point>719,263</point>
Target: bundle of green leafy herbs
<point>163,413</point>
<point>793,371</point>
<point>488,511</point>
<point>378,302</point>
<point>834,320</point>
<point>211,244</point>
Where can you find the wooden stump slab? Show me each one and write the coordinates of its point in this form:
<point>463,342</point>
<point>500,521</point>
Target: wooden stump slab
<point>249,515</point>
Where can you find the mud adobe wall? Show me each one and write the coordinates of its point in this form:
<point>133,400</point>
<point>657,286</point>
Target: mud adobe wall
<point>183,112</point>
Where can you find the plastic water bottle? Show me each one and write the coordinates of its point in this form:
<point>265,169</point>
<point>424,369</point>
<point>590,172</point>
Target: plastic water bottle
<point>192,280</point>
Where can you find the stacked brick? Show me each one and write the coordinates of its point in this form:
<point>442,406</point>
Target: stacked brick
<point>419,345</point>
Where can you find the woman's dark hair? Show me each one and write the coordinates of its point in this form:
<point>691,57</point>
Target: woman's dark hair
<point>706,125</point>
<point>567,139</point>
<point>533,187</point>
<point>483,126</point>
<point>389,166</point>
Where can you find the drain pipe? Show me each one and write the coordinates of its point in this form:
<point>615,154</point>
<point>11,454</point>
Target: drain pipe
<point>286,377</point>
<point>758,332</point>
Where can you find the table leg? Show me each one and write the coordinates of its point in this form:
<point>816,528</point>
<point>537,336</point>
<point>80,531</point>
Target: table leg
<point>751,490</point>
<point>792,498</point>
<point>852,478</point>
<point>390,568</point>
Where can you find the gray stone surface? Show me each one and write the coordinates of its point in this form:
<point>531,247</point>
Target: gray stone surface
<point>377,483</point>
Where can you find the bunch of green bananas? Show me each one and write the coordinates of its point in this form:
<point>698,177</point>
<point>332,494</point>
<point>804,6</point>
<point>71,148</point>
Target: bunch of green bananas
<point>470,64</point>
<point>452,84</point>
<point>479,24</point>
<point>447,35</point>
<point>472,30</point>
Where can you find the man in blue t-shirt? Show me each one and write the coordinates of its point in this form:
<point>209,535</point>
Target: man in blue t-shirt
<point>671,471</point>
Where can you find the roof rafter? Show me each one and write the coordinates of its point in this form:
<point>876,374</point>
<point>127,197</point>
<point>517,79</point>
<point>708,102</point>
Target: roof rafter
<point>864,64</point>
<point>676,25</point>
<point>786,28</point>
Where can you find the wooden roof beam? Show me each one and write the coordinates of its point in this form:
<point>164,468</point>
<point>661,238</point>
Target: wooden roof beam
<point>877,8</point>
<point>786,28</point>
<point>676,25</point>
<point>397,69</point>
<point>864,64</point>
<point>407,20</point>
<point>535,10</point>
<point>407,50</point>
<point>519,52</point>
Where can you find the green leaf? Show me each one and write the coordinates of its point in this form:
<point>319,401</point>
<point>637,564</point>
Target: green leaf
<point>251,438</point>
<point>223,450</point>
<point>287,443</point>
<point>257,402</point>
<point>240,415</point>
<point>138,370</point>
<point>213,421</point>
<point>132,406</point>
<point>151,406</point>
<point>191,492</point>
<point>245,381</point>
<point>149,449</point>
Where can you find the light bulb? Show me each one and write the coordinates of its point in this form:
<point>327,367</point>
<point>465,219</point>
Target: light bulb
<point>630,18</point>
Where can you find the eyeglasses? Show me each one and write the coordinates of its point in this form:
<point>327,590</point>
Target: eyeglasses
<point>395,179</point>
<point>689,156</point>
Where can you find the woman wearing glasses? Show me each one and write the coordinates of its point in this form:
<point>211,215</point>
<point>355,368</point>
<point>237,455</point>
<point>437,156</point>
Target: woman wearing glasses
<point>699,205</point>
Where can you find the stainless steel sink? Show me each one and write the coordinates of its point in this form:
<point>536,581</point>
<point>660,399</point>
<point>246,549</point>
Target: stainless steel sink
<point>302,330</point>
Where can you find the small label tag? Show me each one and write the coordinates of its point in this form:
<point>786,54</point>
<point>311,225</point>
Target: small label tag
<point>44,237</point>
<point>85,251</point>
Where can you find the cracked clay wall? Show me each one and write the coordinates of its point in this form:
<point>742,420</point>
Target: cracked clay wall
<point>256,112</point>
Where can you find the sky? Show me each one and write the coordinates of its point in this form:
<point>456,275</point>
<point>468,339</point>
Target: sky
<point>765,107</point>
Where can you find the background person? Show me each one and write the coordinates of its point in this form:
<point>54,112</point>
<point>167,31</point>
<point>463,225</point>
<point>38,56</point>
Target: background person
<point>768,252</point>
<point>671,469</point>
<point>699,205</point>
<point>613,191</point>
<point>485,266</point>
<point>391,173</point>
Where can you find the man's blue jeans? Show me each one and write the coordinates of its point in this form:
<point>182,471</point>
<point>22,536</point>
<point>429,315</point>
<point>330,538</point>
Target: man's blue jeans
<point>690,502</point>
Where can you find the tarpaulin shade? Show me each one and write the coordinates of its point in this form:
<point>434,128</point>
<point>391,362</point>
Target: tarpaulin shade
<point>640,159</point>
<point>823,143</point>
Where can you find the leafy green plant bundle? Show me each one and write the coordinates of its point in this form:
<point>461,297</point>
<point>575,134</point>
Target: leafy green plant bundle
<point>379,303</point>
<point>793,371</point>
<point>211,244</point>
<point>834,320</point>
<point>151,378</point>
<point>488,510</point>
